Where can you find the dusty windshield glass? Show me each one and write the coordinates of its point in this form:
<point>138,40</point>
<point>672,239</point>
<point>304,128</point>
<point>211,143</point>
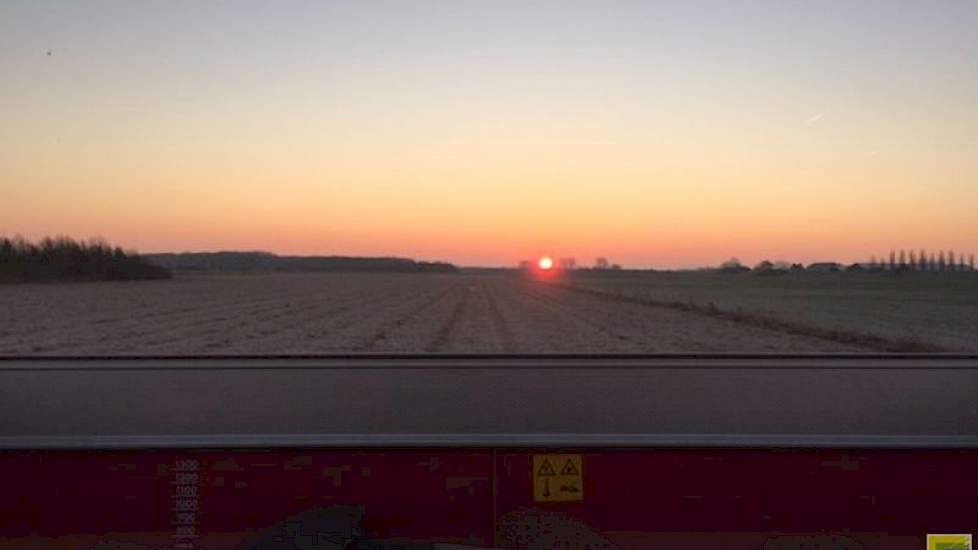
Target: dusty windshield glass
<point>187,178</point>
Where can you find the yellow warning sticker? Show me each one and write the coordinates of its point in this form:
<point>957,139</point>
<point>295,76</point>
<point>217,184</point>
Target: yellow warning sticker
<point>558,478</point>
<point>949,542</point>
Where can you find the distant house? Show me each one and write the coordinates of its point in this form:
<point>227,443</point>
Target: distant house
<point>732,265</point>
<point>824,267</point>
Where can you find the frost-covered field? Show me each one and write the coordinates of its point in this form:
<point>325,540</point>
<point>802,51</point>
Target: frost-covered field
<point>323,313</point>
<point>937,312</point>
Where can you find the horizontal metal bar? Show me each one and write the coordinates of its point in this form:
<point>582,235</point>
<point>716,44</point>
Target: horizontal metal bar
<point>500,362</point>
<point>607,401</point>
<point>576,441</point>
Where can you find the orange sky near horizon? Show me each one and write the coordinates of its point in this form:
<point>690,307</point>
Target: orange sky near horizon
<point>588,138</point>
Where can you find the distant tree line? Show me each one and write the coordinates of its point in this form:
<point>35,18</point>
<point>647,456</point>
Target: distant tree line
<point>602,263</point>
<point>923,261</point>
<point>267,262</point>
<point>64,259</point>
<point>896,262</point>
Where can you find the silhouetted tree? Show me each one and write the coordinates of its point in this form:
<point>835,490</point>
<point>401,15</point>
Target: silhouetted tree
<point>903,259</point>
<point>568,264</point>
<point>941,262</point>
<point>922,260</point>
<point>892,260</point>
<point>913,260</point>
<point>6,250</point>
<point>63,259</point>
<point>601,263</point>
<point>952,264</point>
<point>971,262</point>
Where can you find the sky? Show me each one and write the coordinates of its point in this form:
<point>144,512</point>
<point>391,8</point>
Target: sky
<point>657,134</point>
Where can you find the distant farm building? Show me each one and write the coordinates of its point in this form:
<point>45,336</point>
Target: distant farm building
<point>824,267</point>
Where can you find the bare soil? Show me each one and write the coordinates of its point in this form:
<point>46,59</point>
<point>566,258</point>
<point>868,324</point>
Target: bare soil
<point>335,313</point>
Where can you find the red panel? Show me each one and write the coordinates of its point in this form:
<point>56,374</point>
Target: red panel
<point>633,498</point>
<point>899,494</point>
<point>79,492</point>
<point>444,495</point>
<point>405,493</point>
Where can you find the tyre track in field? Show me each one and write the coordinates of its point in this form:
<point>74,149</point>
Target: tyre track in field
<point>450,326</point>
<point>570,311</point>
<point>475,324</point>
<point>647,329</point>
<point>862,340</point>
<point>501,328</point>
<point>402,321</point>
<point>539,326</point>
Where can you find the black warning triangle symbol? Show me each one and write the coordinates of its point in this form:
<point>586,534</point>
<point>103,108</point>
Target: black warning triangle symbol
<point>569,469</point>
<point>546,469</point>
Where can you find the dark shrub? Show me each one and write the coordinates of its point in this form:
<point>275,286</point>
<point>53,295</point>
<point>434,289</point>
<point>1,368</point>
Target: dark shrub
<point>63,259</point>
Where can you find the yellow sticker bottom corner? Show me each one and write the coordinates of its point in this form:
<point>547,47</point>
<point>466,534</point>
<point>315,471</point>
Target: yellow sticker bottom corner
<point>949,542</point>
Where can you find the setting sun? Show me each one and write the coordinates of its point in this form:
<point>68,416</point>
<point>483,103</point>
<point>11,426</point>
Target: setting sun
<point>655,134</point>
<point>546,263</point>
